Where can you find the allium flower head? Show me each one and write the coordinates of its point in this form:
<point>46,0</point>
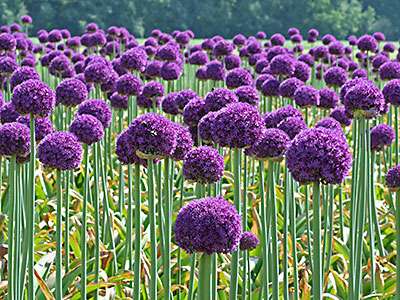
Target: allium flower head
<point>277,39</point>
<point>209,225</point>
<point>248,94</point>
<point>340,115</point>
<point>205,126</point>
<point>272,144</point>
<point>98,109</point>
<point>237,125</point>
<point>203,165</point>
<point>183,97</point>
<point>128,84</point>
<point>169,104</point>
<point>7,42</point>
<point>391,92</point>
<point>289,86</point>
<point>153,135</point>
<point>7,66</point>
<point>33,97</point>
<point>219,98</point>
<point>60,150</point>
<point>134,59</point>
<point>248,241</point>
<point>71,92</point>
<point>393,178</point>
<point>238,77</point>
<point>215,70</point>
<point>87,128</point>
<point>328,98</point>
<point>367,43</point>
<point>198,58</point>
<point>126,150</point>
<point>306,96</point>
<point>184,142</point>
<point>292,126</point>
<point>302,71</point>
<point>389,70</point>
<point>335,76</point>
<point>270,87</point>
<point>319,155</point>
<point>170,71</point>
<point>329,123</point>
<point>14,139</point>
<point>43,126</point>
<point>97,73</point>
<point>382,136</point>
<point>194,111</point>
<point>282,65</point>
<point>222,48</point>
<point>23,74</point>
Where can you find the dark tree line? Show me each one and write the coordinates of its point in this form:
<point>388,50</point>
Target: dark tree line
<point>210,17</point>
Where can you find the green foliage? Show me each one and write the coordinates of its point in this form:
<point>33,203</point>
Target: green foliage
<point>210,17</point>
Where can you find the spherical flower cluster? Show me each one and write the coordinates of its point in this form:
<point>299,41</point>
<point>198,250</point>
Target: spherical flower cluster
<point>282,65</point>
<point>7,65</point>
<point>194,111</point>
<point>126,150</point>
<point>14,139</point>
<point>43,126</point>
<point>169,105</point>
<point>367,43</point>
<point>306,96</point>
<point>340,115</point>
<point>391,92</point>
<point>7,42</point>
<point>292,126</point>
<point>170,71</point>
<point>232,61</point>
<point>288,87</point>
<point>329,123</point>
<point>248,241</point>
<point>134,59</point>
<point>382,136</point>
<point>328,98</point>
<point>215,70</point>
<point>222,48</point>
<point>208,225</point>
<point>389,70</point>
<point>219,98</point>
<point>247,94</point>
<point>98,109</point>
<point>183,97</point>
<point>97,73</point>
<point>60,150</point>
<point>198,58</point>
<point>128,84</point>
<point>33,97</point>
<point>8,113</point>
<point>302,71</point>
<point>393,178</point>
<point>238,77</point>
<point>270,87</point>
<point>203,165</point>
<point>153,135</point>
<point>335,76</point>
<point>23,74</point>
<point>237,125</point>
<point>88,129</point>
<point>71,92</point>
<point>272,144</point>
<point>184,142</point>
<point>205,126</point>
<point>318,155</point>
<point>277,39</point>
<point>274,118</point>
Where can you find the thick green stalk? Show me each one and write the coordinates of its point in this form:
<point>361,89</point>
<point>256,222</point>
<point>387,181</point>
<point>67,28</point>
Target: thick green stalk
<point>96,207</point>
<point>84,223</point>
<point>293,229</point>
<point>128,246</point>
<point>396,128</point>
<point>237,191</point>
<point>167,232</point>
<point>285,260</point>
<point>274,231</point>
<point>205,277</point>
<point>191,278</point>
<point>138,234</point>
<point>398,244</point>
<point>153,236</point>
<point>11,226</point>
<point>58,284</point>
<point>317,265</point>
<point>264,232</point>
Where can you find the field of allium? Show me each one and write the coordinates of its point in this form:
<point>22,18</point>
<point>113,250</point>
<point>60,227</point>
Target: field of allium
<point>174,168</point>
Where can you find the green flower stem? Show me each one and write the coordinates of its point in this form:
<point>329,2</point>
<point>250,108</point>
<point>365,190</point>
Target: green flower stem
<point>84,223</point>
<point>138,233</point>
<point>235,255</point>
<point>153,236</point>
<point>285,264</point>
<point>292,215</point>
<point>58,284</point>
<point>317,265</point>
<point>11,226</point>
<point>331,198</point>
<point>167,232</point>
<point>398,244</point>
<point>191,278</point>
<point>244,228</point>
<point>264,232</point>
<point>128,247</point>
<point>308,225</point>
<point>205,277</point>
<point>396,128</point>
<point>96,208</point>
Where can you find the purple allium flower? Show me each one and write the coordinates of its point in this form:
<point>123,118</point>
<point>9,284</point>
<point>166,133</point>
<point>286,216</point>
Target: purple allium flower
<point>7,65</point>
<point>98,109</point>
<point>274,118</point>
<point>182,38</point>
<point>169,104</point>
<point>183,97</point>
<point>336,48</point>
<point>272,144</point>
<point>393,178</point>
<point>134,59</point>
<point>128,84</point>
<point>60,150</point>
<point>43,126</point>
<point>147,102</point>
<point>222,48</point>
<point>25,19</point>
<point>306,96</point>
<point>329,123</point>
<point>292,126</point>
<point>170,71</point>
<point>382,136</point>
<point>23,74</point>
<point>313,32</point>
<point>261,35</point>
<point>207,44</point>
<point>198,58</point>
<point>8,113</point>
<point>153,135</point>
<point>253,47</point>
<point>110,84</point>
<point>391,92</point>
<point>349,84</point>
<point>33,97</point>
<point>7,42</point>
<point>389,47</point>
<point>261,65</point>
<point>14,139</point>
<point>277,39</point>
<point>59,65</point>
<point>54,36</point>
<point>307,58</point>
<point>359,73</point>
<point>237,125</point>
<point>248,241</point>
<point>319,155</point>
<point>205,126</point>
<point>239,40</point>
<point>320,52</point>
<point>119,102</point>
<point>379,36</point>
<point>367,43</point>
<point>201,73</point>
<point>126,150</point>
<point>270,87</point>
<point>232,61</point>
<point>215,70</point>
<point>282,65</point>
<point>302,71</point>
<point>389,70</point>
<point>168,52</point>
<point>379,60</point>
<point>194,111</point>
<point>335,76</point>
<point>260,80</point>
<point>184,142</point>
<point>153,89</point>
<point>364,97</point>
<point>153,69</point>
<point>238,77</point>
<point>97,73</point>
<point>88,129</point>
<point>71,92</point>
<point>203,165</point>
<point>219,98</point>
<point>289,86</point>
<point>247,94</point>
<point>28,62</point>
<point>209,225</point>
<point>292,31</point>
<point>328,98</point>
<point>327,39</point>
<point>340,115</point>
